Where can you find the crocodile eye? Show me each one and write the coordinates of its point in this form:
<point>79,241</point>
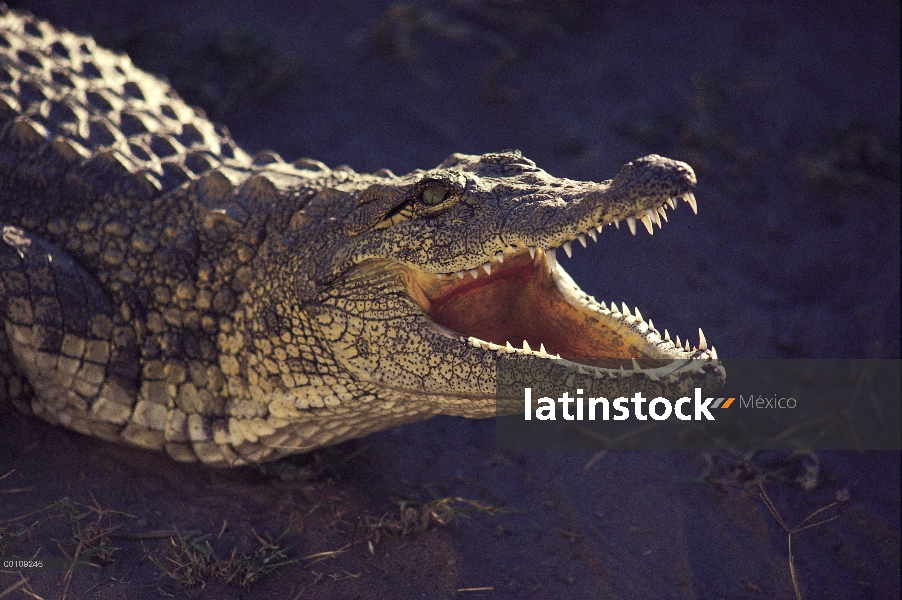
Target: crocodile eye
<point>434,194</point>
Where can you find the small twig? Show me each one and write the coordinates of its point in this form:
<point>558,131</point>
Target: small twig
<point>791,530</point>
<point>318,556</point>
<point>595,458</point>
<point>13,587</point>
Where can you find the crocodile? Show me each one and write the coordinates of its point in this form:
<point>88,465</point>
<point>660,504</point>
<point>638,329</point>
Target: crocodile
<point>161,287</point>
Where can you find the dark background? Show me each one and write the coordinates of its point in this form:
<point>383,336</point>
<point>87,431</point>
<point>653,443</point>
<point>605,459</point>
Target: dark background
<point>789,112</point>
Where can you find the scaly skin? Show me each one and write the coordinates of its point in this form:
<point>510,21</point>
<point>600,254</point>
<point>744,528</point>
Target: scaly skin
<point>160,287</point>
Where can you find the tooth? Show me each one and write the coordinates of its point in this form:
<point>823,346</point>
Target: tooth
<point>614,308</point>
<point>542,349</point>
<point>617,224</point>
<point>526,346</point>
<point>689,197</point>
<point>686,346</point>
<point>474,273</point>
<point>487,268</point>
<point>460,274</point>
<point>582,239</point>
<point>568,250</point>
<point>625,309</point>
<point>702,342</point>
<point>713,353</point>
<point>631,221</point>
<point>593,235</point>
<point>509,348</point>
<point>636,366</point>
<point>671,202</point>
<point>679,343</point>
<point>598,228</point>
<point>663,212</point>
<point>646,220</point>
<point>652,375</point>
<point>638,314</point>
<point>499,256</point>
<point>653,215</point>
<point>532,252</point>
<point>650,324</point>
<point>666,336</point>
<point>551,259</point>
<point>603,307</point>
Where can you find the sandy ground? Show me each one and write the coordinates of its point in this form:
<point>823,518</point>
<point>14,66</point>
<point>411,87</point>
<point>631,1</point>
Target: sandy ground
<point>789,113</point>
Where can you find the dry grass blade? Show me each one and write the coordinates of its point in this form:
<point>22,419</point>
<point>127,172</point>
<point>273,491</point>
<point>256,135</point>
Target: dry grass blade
<point>13,587</point>
<point>442,511</point>
<point>191,560</point>
<point>90,537</point>
<point>325,555</point>
<point>791,530</point>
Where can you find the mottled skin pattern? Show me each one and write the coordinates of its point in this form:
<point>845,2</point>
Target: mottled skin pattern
<point>160,287</point>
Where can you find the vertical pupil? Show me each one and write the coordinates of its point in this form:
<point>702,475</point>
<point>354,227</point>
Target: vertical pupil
<point>433,195</point>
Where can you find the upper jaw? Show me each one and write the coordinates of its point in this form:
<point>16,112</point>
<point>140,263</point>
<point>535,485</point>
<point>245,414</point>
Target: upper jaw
<point>575,221</point>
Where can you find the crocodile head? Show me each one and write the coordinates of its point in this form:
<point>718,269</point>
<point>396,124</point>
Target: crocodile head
<point>432,278</point>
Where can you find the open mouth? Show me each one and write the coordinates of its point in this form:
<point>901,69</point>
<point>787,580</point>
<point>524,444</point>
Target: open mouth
<point>521,301</point>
